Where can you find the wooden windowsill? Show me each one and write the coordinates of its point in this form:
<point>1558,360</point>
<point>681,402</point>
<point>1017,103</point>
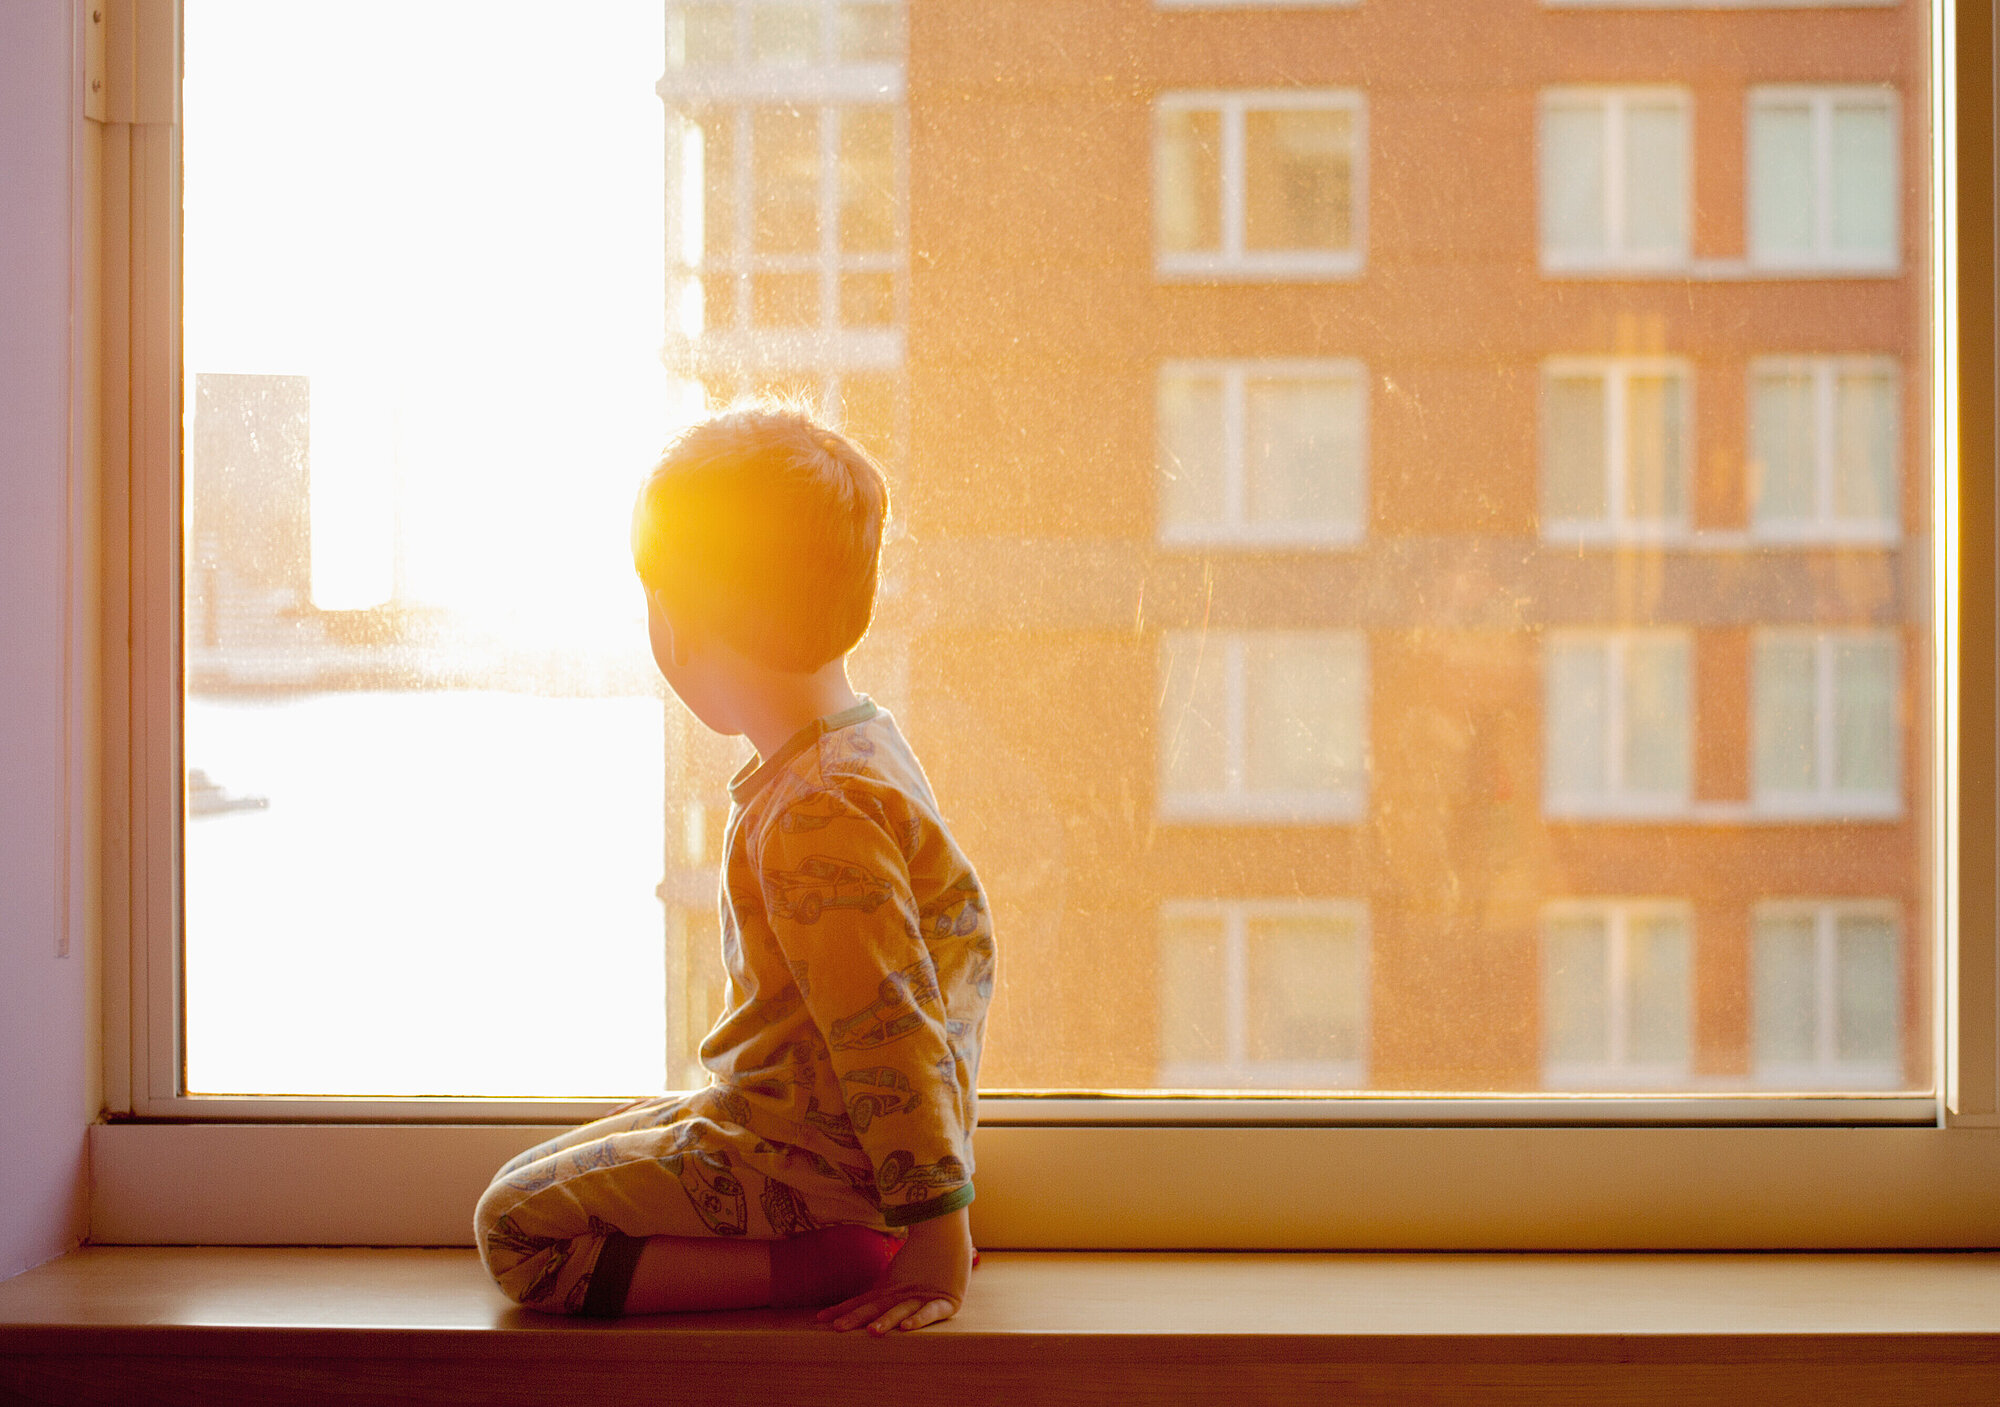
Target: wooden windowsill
<point>220,1324</point>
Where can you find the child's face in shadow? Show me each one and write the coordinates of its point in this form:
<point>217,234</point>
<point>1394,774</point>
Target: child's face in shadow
<point>689,671</point>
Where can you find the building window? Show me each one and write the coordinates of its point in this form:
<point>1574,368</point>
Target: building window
<point>1823,178</point>
<point>1617,723</point>
<point>1826,727</point>
<point>1824,433</point>
<point>1615,437</point>
<point>1263,725</point>
<point>1259,185</point>
<point>784,33</point>
<point>1826,996</point>
<point>1263,995</point>
<point>1616,989</point>
<point>1265,452</point>
<point>1614,178</point>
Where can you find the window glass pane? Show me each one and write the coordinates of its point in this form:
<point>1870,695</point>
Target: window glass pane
<point>784,34</point>
<point>1657,976</point>
<point>1864,712</point>
<point>1784,686</point>
<point>1572,180</point>
<point>1784,996</point>
<point>1187,199</point>
<point>1656,464</point>
<point>1192,453</point>
<point>1864,463</point>
<point>1656,181</point>
<point>1656,716</point>
<point>1194,994</point>
<point>1267,632</point>
<point>1304,710</point>
<point>1577,718</point>
<point>1576,976</point>
<point>1870,1001</point>
<point>1195,714</point>
<point>1864,184</point>
<point>1783,447</point>
<point>868,180</point>
<point>784,146</point>
<point>1307,990</point>
<point>1298,178</point>
<point>1573,449</point>
<point>1783,192</point>
<point>1302,450</point>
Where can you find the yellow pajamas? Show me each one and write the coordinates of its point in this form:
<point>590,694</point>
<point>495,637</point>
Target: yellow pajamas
<point>843,1071</point>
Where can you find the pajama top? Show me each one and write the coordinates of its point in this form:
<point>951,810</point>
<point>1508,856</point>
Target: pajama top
<point>860,956</point>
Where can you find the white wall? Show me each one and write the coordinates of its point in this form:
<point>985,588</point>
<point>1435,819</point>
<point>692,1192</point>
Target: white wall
<point>46,1099</point>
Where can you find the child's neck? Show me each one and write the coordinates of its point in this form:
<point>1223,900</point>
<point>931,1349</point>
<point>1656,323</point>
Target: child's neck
<point>782,704</point>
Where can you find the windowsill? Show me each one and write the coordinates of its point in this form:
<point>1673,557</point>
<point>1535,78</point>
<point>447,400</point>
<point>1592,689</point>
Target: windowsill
<point>108,1324</point>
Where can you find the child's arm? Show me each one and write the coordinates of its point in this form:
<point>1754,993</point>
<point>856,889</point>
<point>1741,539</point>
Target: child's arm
<point>838,898</point>
<point>925,1284</point>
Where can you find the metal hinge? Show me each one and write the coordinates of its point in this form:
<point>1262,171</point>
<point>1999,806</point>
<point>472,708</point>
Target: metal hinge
<point>131,61</point>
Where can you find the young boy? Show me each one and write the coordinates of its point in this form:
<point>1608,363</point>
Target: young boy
<point>829,1161</point>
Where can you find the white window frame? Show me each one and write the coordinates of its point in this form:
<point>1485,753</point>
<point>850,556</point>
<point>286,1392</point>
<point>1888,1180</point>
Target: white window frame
<point>1232,261</point>
<point>1822,258</point>
<point>1617,802</point>
<point>1825,526</point>
<point>1234,528</point>
<point>1616,259</point>
<point>1721,4</point>
<point>1440,1172</point>
<point>1618,1071</point>
<point>1228,650</point>
<point>1237,1070</point>
<point>1826,800</point>
<point>1616,373</point>
<point>1825,1070</point>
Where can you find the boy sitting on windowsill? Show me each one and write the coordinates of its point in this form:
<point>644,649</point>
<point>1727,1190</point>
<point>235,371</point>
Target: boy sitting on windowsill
<point>829,1161</point>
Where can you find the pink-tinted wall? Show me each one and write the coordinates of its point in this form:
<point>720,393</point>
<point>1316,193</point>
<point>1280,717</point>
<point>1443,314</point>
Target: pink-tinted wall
<point>46,1100</point>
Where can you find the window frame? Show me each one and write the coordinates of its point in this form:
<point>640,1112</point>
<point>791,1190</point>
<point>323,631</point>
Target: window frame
<point>1821,99</point>
<point>1237,803</point>
<point>1825,1070</point>
<point>1827,801</point>
<point>1618,1071</point>
<point>1616,260</point>
<point>1440,1172</point>
<point>1826,371</point>
<point>1232,262</point>
<point>1234,529</point>
<point>1239,1069</point>
<point>1616,527</point>
<point>1615,803</point>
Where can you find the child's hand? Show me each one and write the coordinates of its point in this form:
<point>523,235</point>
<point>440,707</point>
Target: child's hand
<point>925,1283</point>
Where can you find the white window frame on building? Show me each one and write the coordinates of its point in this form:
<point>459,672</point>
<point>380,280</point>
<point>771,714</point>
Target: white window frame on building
<point>1234,525</point>
<point>1618,800</point>
<point>1618,256</point>
<point>823,351</point>
<point>1616,375</point>
<point>1238,1069</point>
<point>1826,524</point>
<point>1826,1069</point>
<point>1231,260</point>
<point>1236,801</point>
<point>1822,257</point>
<point>1825,798</point>
<point>1619,1070</point>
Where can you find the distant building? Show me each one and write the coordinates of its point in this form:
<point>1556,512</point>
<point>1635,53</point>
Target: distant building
<point>1419,530</point>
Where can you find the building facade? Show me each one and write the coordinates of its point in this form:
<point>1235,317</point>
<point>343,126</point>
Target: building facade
<point>1415,552</point>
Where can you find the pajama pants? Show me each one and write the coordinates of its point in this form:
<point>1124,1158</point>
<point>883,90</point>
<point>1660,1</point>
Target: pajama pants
<point>664,1168</point>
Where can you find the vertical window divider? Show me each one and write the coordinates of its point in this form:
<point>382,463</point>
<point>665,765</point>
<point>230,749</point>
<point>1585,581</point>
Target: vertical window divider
<point>1235,422</point>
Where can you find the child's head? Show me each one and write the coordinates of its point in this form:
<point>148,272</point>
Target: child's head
<point>760,530</point>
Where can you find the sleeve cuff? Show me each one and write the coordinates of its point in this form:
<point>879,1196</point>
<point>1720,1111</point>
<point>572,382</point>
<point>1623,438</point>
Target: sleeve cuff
<point>944,1204</point>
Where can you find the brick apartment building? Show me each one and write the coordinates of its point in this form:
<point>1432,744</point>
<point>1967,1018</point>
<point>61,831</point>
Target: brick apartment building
<point>1415,569</point>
